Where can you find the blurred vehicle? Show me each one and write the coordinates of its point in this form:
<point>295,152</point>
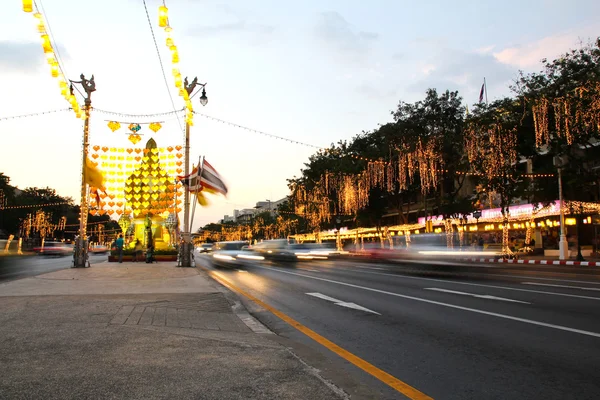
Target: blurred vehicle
<point>276,250</point>
<point>206,248</point>
<point>316,251</point>
<point>98,249</point>
<point>55,249</point>
<point>233,254</point>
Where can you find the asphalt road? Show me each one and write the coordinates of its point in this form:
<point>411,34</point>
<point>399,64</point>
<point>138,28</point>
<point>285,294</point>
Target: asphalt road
<point>520,336</point>
<point>17,267</point>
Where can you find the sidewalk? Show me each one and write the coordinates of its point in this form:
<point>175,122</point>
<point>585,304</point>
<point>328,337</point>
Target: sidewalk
<point>141,331</point>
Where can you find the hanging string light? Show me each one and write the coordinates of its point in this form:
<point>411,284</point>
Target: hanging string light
<point>575,113</point>
<point>163,22</point>
<point>51,58</point>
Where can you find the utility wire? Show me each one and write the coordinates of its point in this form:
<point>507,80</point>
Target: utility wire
<point>259,132</point>
<point>162,68</point>
<point>33,114</point>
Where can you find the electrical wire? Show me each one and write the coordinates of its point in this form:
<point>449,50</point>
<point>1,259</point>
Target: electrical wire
<point>119,114</point>
<point>34,114</point>
<point>259,132</point>
<point>162,68</point>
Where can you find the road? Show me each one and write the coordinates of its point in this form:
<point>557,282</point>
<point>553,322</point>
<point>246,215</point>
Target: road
<point>505,337</point>
<point>17,267</point>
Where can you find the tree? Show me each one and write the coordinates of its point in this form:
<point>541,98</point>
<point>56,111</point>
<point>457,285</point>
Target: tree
<point>492,144</point>
<point>564,101</point>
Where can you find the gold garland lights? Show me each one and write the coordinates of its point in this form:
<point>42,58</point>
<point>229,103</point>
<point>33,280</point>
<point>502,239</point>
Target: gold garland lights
<point>577,113</point>
<point>35,205</point>
<point>52,59</point>
<point>163,22</point>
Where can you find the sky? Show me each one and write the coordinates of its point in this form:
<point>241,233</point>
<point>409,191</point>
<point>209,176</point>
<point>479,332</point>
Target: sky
<point>311,71</point>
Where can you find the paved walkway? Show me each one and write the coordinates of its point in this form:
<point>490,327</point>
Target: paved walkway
<point>139,331</point>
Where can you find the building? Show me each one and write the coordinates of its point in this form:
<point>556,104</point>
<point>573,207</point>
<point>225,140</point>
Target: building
<point>245,216</point>
<point>269,206</point>
<point>229,218</point>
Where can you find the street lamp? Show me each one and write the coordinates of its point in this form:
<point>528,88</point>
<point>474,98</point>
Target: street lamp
<point>203,98</point>
<point>80,254</point>
<point>563,245</point>
<point>186,251</point>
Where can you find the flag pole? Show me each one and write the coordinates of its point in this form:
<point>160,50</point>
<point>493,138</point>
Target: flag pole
<point>485,86</point>
<point>198,180</point>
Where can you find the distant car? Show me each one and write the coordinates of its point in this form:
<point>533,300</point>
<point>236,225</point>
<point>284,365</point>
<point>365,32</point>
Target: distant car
<point>232,254</point>
<point>206,248</point>
<point>276,250</point>
<point>98,249</point>
<point>55,249</point>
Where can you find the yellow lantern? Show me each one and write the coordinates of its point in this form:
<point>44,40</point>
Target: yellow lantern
<point>175,58</point>
<point>28,5</point>
<point>46,44</point>
<point>163,16</point>
<point>169,42</point>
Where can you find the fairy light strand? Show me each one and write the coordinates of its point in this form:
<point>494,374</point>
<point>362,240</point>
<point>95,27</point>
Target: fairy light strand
<point>36,114</point>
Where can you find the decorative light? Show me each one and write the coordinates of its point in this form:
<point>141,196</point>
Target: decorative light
<point>114,125</point>
<point>203,98</point>
<point>52,59</point>
<point>28,5</point>
<point>134,127</point>
<point>135,138</point>
<point>155,126</point>
<point>163,16</point>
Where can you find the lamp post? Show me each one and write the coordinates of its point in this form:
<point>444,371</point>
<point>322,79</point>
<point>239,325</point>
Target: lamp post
<point>80,255</point>
<point>563,245</point>
<point>186,254</point>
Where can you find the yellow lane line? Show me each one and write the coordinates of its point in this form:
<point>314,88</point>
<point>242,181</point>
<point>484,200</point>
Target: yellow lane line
<point>369,368</point>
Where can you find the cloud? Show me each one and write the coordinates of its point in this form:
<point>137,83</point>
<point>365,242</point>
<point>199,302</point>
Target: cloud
<point>337,33</point>
<point>398,56</point>
<point>372,92</point>
<point>20,56</point>
<point>241,26</point>
<point>464,71</point>
<point>529,55</point>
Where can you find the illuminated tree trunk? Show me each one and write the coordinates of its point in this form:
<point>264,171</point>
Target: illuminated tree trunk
<point>449,233</point>
<point>505,245</point>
